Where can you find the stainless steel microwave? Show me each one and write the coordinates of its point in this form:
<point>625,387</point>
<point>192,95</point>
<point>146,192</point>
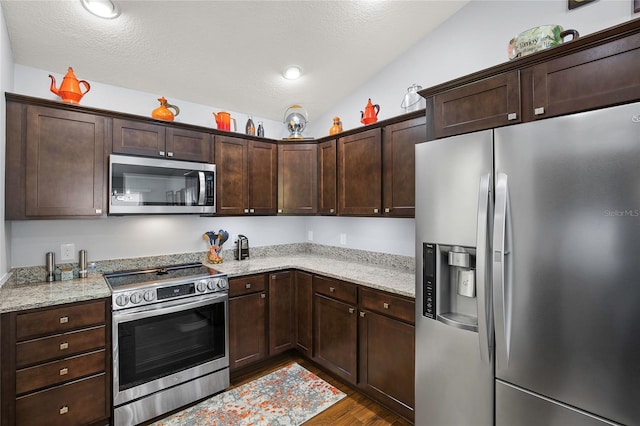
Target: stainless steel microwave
<point>142,185</point>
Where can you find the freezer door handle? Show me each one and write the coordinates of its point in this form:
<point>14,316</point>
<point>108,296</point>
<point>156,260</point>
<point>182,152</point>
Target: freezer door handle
<point>483,287</point>
<point>502,258</point>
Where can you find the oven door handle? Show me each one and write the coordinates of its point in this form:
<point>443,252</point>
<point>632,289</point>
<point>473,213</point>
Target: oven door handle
<point>154,310</point>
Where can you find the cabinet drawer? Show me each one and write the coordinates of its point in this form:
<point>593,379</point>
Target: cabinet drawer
<point>246,285</point>
<point>76,403</point>
<point>388,304</point>
<point>58,320</point>
<point>59,346</point>
<point>336,289</point>
<point>54,373</point>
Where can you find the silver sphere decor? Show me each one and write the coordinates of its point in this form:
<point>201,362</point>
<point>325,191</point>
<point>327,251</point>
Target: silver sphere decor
<point>296,119</point>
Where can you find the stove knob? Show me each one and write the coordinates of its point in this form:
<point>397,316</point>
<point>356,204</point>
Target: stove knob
<point>222,283</point>
<point>122,300</point>
<point>211,285</point>
<point>136,297</point>
<point>201,286</point>
<point>149,295</point>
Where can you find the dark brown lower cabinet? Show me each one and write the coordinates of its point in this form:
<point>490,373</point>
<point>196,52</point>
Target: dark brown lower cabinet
<point>387,358</point>
<point>304,313</point>
<point>247,320</point>
<point>281,313</point>
<point>335,333</point>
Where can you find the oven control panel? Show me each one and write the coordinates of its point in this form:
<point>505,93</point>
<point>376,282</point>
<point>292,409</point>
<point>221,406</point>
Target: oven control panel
<point>155,294</point>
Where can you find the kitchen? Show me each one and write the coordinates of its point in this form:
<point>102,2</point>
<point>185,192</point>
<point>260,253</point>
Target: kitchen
<point>29,240</point>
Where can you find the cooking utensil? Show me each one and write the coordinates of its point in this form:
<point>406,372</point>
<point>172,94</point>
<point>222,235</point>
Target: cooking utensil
<point>222,237</point>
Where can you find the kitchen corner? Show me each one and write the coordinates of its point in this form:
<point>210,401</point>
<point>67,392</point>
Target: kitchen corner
<point>26,288</point>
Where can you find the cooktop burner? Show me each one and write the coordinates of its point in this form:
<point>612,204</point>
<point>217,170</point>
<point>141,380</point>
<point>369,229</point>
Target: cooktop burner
<point>174,272</point>
<point>146,286</point>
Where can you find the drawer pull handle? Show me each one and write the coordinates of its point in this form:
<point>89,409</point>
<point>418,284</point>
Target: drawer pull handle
<point>385,305</point>
<point>375,210</point>
<point>64,410</point>
<point>332,289</point>
<point>64,346</point>
<point>512,116</point>
<point>538,111</point>
<point>247,285</point>
<point>361,314</point>
<point>64,320</point>
<point>351,310</point>
<point>64,371</point>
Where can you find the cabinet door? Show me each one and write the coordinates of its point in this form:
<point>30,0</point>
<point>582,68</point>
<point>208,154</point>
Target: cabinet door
<point>327,173</point>
<point>387,358</point>
<point>138,138</point>
<point>65,163</point>
<point>335,333</point>
<point>399,165</point>
<point>263,178</point>
<point>488,103</point>
<point>247,318</point>
<point>360,174</point>
<point>597,77</point>
<point>303,309</point>
<point>231,175</point>
<point>189,145</point>
<point>281,327</point>
<point>297,178</point>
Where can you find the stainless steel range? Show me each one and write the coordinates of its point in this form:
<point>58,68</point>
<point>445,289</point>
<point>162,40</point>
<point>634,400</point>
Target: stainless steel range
<point>170,339</point>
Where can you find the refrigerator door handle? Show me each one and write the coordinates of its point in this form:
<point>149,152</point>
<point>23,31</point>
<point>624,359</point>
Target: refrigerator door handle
<point>483,287</point>
<point>502,258</point>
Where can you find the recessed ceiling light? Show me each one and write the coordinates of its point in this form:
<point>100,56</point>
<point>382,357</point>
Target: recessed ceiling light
<point>291,73</point>
<point>101,8</point>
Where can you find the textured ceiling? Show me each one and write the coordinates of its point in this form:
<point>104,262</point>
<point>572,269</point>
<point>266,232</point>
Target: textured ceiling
<point>227,54</point>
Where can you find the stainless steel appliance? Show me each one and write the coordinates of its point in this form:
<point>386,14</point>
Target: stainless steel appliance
<point>530,234</point>
<point>241,250</point>
<point>142,185</point>
<point>170,339</point>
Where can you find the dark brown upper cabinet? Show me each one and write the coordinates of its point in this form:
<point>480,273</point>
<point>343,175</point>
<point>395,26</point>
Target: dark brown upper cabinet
<point>297,178</point>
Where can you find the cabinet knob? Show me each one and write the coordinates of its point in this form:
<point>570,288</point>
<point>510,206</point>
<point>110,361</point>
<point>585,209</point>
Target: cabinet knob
<point>361,314</point>
<point>161,153</point>
<point>169,154</point>
<point>247,285</point>
<point>332,289</point>
<point>64,409</point>
<point>273,277</point>
<point>64,371</point>
<point>252,210</point>
<point>64,320</point>
<point>385,305</point>
<point>512,116</point>
<point>387,210</point>
<point>375,210</point>
<point>279,210</point>
<point>352,310</point>
<point>331,210</point>
<point>64,346</point>
<point>246,210</point>
<point>538,111</point>
<point>98,211</point>
<point>262,296</point>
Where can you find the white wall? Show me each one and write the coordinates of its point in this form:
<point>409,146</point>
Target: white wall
<point>6,83</point>
<point>473,39</point>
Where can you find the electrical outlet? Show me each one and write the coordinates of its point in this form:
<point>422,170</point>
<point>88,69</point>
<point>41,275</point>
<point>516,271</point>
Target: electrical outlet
<point>67,252</point>
<point>310,235</point>
<point>343,239</point>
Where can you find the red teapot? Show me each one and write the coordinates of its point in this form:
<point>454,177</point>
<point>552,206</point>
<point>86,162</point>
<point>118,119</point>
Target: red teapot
<point>69,89</point>
<point>370,113</point>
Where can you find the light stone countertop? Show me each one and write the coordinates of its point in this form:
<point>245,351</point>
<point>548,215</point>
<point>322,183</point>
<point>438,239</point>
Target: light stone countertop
<point>24,290</point>
<point>385,278</point>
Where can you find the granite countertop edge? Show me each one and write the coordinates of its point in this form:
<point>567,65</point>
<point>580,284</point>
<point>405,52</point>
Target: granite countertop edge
<point>15,296</point>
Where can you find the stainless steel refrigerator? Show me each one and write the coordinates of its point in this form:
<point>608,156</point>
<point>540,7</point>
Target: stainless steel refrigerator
<point>528,274</point>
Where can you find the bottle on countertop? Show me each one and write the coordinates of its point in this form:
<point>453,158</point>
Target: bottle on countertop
<point>250,128</point>
<point>260,129</point>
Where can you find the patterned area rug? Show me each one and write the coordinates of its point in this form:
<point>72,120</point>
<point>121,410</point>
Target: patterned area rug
<point>289,396</point>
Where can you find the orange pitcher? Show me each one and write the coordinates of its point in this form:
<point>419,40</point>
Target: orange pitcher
<point>223,120</point>
<point>370,113</point>
<point>163,112</point>
<point>69,89</point>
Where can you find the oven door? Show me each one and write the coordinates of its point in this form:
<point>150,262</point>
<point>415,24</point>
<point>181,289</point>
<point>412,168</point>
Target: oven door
<point>158,346</point>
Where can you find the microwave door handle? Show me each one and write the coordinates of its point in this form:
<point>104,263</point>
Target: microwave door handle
<point>203,189</point>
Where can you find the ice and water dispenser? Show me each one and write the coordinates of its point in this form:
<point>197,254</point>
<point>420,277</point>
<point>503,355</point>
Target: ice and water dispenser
<point>449,285</point>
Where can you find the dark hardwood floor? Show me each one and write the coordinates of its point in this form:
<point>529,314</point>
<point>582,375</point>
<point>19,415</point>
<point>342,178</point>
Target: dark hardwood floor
<point>354,410</point>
